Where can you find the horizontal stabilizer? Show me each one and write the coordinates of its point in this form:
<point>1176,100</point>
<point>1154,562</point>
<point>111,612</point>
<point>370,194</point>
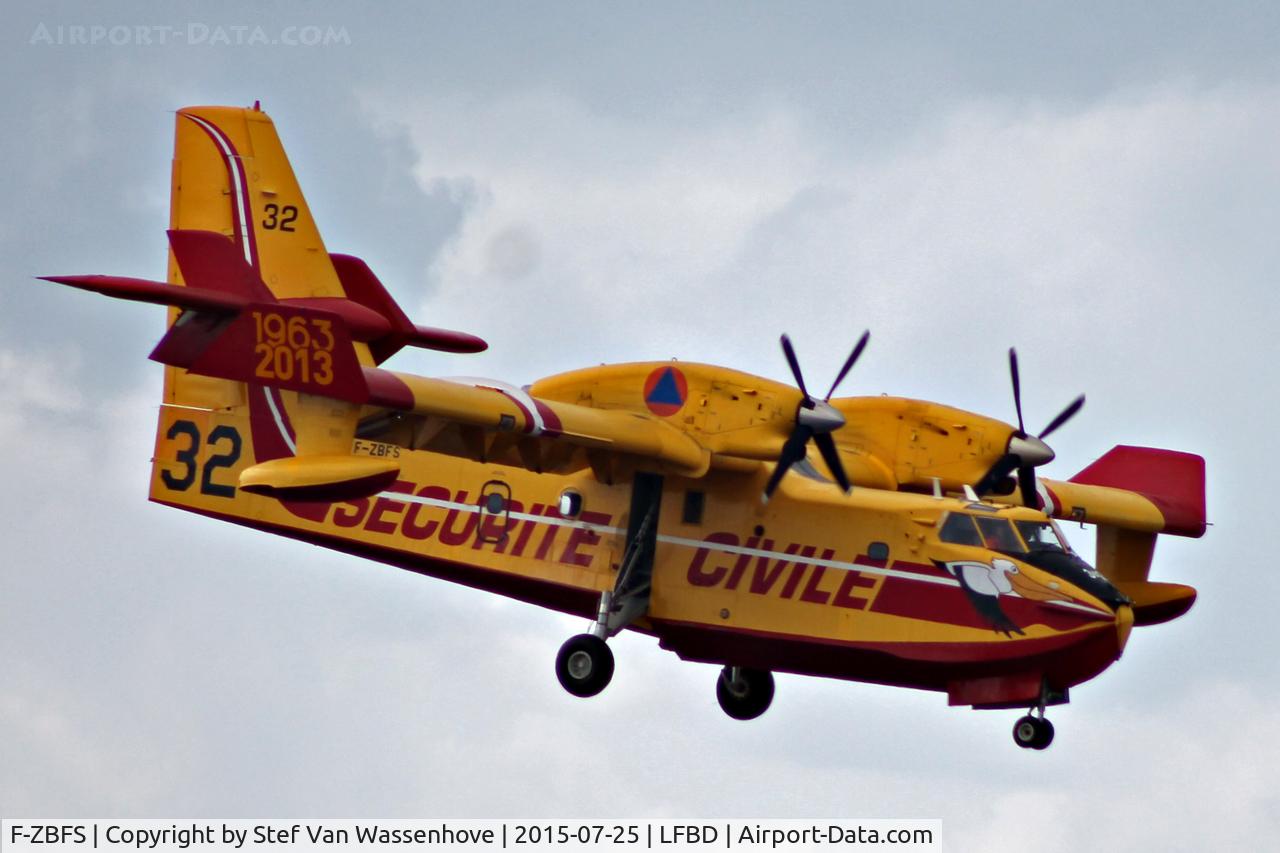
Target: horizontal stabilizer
<point>320,477</point>
<point>283,346</point>
<point>363,286</point>
<point>155,292</point>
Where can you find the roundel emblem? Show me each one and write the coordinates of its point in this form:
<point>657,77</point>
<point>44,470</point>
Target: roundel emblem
<point>665,391</point>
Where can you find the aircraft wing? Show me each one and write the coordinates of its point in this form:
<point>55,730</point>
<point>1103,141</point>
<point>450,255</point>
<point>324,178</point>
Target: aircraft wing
<point>508,416</point>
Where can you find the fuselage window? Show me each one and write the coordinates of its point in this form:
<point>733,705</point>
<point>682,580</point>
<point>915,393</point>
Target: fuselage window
<point>570,505</point>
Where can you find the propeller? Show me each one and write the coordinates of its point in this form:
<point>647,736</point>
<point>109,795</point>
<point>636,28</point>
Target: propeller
<point>1025,452</point>
<point>815,419</point>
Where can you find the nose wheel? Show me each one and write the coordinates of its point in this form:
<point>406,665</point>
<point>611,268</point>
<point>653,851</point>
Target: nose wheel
<point>584,665</point>
<point>744,694</point>
<point>1033,732</point>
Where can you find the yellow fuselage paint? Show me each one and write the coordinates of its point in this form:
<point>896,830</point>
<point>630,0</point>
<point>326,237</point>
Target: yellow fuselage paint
<point>811,566</point>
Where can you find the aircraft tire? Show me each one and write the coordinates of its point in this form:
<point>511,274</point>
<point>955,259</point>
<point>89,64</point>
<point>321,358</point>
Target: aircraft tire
<point>1045,735</point>
<point>1033,732</point>
<point>584,665</point>
<point>749,696</point>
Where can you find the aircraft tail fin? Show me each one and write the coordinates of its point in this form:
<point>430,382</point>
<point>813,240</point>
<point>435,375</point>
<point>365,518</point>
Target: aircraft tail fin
<point>232,177</point>
<point>263,320</point>
<point>242,235</point>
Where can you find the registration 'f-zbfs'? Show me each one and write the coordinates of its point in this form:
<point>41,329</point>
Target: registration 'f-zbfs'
<point>739,520</point>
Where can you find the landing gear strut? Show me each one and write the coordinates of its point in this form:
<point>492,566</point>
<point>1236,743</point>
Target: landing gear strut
<point>744,694</point>
<point>584,664</point>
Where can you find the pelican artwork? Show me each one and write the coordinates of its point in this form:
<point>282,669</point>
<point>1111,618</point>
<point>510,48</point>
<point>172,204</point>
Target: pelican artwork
<point>984,583</point>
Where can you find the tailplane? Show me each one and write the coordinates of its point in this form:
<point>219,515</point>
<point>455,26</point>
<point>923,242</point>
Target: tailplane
<point>264,323</point>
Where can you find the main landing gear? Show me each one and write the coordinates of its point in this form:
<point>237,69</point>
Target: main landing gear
<point>744,694</point>
<point>584,664</point>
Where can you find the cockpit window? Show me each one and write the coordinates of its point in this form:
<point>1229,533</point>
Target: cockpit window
<point>958,529</point>
<point>1041,536</point>
<point>998,534</point>
<point>985,531</point>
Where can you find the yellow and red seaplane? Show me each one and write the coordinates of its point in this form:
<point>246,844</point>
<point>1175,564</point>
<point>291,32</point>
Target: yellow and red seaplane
<point>741,521</point>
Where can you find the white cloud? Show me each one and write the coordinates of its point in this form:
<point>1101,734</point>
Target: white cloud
<point>35,388</point>
<point>39,381</point>
<point>625,222</point>
<point>1187,777</point>
<point>1076,233</point>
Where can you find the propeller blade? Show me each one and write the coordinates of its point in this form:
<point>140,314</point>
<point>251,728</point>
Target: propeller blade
<point>815,419</point>
<point>1024,452</point>
<point>1065,415</point>
<point>1003,467</point>
<point>1017,388</point>
<point>792,452</point>
<point>790,353</point>
<point>849,362</point>
<point>1027,485</point>
<point>827,445</point>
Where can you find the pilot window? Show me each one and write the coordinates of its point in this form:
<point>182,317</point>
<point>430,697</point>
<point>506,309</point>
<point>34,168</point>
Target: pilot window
<point>998,534</point>
<point>958,529</point>
<point>1041,536</point>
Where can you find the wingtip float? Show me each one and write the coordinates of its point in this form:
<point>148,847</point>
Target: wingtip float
<point>900,542</point>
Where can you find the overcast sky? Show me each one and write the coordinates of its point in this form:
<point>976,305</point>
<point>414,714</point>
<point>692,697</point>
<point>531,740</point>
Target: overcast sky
<point>1098,185</point>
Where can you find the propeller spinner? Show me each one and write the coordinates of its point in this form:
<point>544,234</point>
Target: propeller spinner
<point>815,419</point>
<point>1025,452</point>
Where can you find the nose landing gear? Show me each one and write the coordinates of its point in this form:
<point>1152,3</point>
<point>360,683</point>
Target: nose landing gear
<point>1033,732</point>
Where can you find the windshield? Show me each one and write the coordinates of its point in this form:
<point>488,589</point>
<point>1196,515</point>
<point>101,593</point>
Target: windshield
<point>998,534</point>
<point>958,529</point>
<point>982,531</point>
<point>1041,536</point>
